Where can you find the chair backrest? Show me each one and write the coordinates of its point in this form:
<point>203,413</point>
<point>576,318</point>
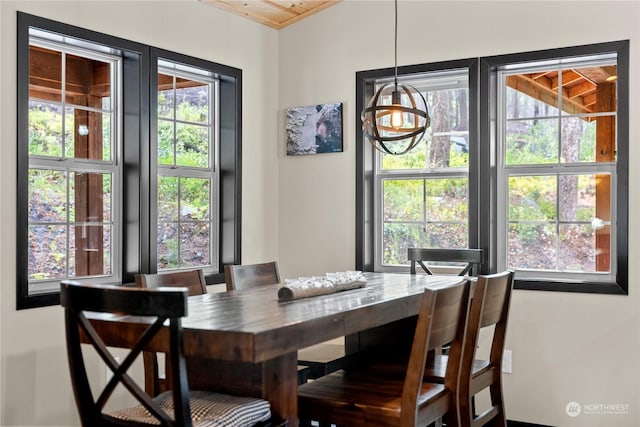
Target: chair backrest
<point>489,306</point>
<point>161,304</point>
<point>191,279</point>
<point>473,258</point>
<point>442,320</point>
<point>239,277</point>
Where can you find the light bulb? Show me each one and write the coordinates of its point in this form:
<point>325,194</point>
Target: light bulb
<point>397,121</point>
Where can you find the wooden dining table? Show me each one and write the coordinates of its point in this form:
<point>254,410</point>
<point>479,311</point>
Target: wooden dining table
<point>246,342</point>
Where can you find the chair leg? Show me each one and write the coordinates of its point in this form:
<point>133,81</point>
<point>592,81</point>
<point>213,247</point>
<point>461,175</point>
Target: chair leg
<point>496,400</point>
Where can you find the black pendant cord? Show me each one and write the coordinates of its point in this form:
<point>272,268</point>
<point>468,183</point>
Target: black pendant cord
<point>395,73</point>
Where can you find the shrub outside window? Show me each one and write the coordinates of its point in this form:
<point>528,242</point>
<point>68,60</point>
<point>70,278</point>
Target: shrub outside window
<point>187,180</point>
<point>73,166</point>
<point>543,189</point>
<point>423,195</point>
<point>114,180</point>
<point>558,168</point>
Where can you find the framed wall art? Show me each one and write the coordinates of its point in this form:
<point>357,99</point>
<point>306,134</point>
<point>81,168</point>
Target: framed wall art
<point>314,129</point>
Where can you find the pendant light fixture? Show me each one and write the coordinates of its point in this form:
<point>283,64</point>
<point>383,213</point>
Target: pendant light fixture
<point>397,116</point>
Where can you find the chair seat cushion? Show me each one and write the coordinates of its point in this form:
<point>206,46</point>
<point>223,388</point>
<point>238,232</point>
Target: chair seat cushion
<point>208,409</point>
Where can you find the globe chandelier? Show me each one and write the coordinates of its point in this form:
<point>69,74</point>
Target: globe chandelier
<point>397,116</point>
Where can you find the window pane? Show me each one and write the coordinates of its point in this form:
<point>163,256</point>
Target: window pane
<point>423,212</point>
<point>184,126</point>
<point>403,199</point>
<point>168,194</point>
<point>447,235</point>
<point>87,134</point>
<point>577,200</point>
<point>165,96</point>
<point>599,91</point>
<point>532,141</point>
<point>165,142</point>
<point>192,101</point>
<point>183,222</point>
<point>579,138</point>
<point>398,237</point>
<point>532,198</point>
<point>446,142</point>
<point>47,195</point>
<point>167,245</point>
<point>192,148</point>
<point>525,98</point>
<point>88,248</point>
<point>531,246</point>
<point>196,241</point>
<point>577,248</point>
<point>195,199</point>
<point>87,81</point>
<point>447,199</point>
<point>45,129</point>
<point>582,222</point>
<point>45,76</point>
<point>90,197</point>
<point>47,252</point>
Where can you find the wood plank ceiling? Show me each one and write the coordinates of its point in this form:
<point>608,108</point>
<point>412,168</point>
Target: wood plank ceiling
<point>274,13</point>
<point>578,86</point>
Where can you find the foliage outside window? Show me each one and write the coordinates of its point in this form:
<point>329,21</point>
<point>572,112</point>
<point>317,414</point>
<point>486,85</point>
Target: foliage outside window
<point>558,168</point>
<point>543,185</point>
<point>121,160</point>
<point>73,167</point>
<point>186,188</point>
<point>423,195</point>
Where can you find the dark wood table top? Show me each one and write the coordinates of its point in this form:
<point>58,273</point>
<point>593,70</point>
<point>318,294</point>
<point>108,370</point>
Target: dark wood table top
<point>254,326</point>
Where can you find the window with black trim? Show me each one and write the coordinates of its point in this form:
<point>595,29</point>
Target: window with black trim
<point>122,167</point>
<point>548,168</point>
<point>422,197</point>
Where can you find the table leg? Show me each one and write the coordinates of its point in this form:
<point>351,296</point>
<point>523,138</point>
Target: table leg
<point>280,386</point>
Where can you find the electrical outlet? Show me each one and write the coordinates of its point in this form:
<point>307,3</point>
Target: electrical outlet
<point>506,362</point>
<point>109,373</point>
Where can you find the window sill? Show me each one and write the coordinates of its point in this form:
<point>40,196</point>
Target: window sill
<point>611,288</point>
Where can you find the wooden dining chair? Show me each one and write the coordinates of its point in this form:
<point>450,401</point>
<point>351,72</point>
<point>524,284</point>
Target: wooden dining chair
<point>319,359</point>
<point>471,259</point>
<point>489,308</point>
<point>193,280</point>
<point>172,408</point>
<point>247,276</point>
<point>190,279</point>
<point>363,398</point>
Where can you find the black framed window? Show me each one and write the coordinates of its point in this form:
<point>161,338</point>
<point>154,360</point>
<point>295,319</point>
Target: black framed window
<point>88,160</point>
<point>548,169</point>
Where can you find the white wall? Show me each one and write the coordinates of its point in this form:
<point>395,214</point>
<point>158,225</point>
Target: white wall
<point>35,389</point>
<point>566,347</point>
